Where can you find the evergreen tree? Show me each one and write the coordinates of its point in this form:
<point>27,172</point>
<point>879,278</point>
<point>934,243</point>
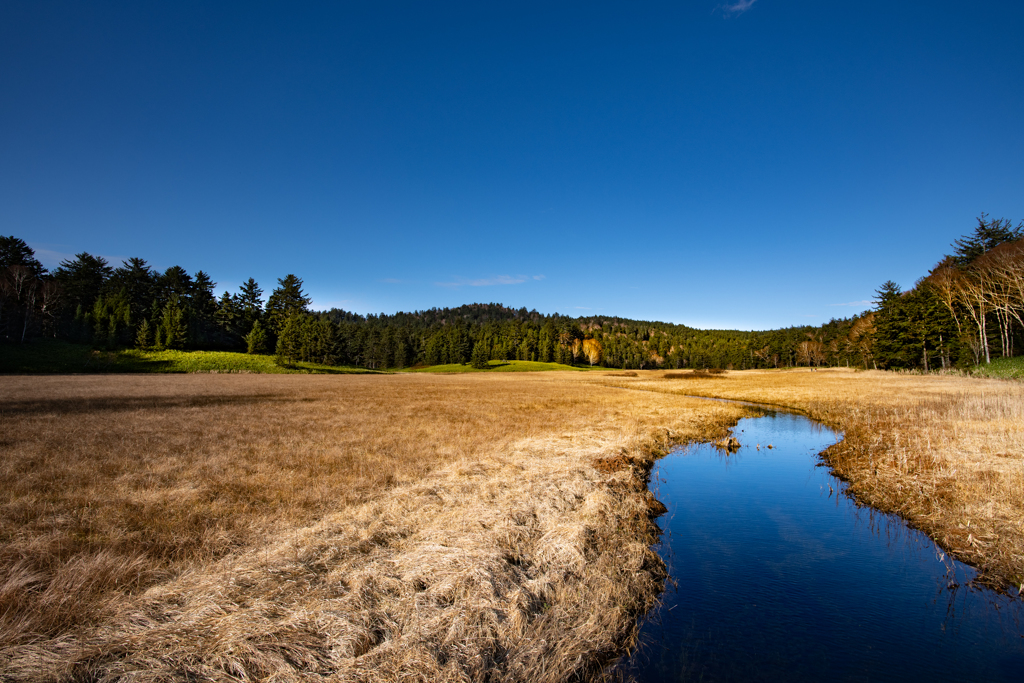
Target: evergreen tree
<point>892,329</point>
<point>173,325</point>
<point>289,341</point>
<point>15,252</point>
<point>249,302</point>
<point>142,340</point>
<point>288,299</point>
<point>229,319</point>
<point>202,311</point>
<point>433,350</point>
<point>401,353</point>
<point>256,340</point>
<point>136,280</point>
<point>480,356</point>
<point>175,282</point>
<point>988,234</point>
<point>82,280</point>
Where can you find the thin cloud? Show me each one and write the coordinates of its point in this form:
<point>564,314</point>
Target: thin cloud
<point>391,281</point>
<point>737,8</point>
<point>318,305</point>
<point>582,308</point>
<point>853,303</point>
<point>50,258</point>
<point>491,281</point>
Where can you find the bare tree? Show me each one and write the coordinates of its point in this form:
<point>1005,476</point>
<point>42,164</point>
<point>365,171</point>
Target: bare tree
<point>945,282</point>
<point>576,348</point>
<point>972,293</point>
<point>763,354</point>
<point>811,352</point>
<point>1004,266</point>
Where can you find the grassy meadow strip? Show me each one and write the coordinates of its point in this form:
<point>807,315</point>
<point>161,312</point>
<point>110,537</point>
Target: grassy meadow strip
<point>368,527</point>
<point>53,357</point>
<point>1001,368</point>
<point>504,366</point>
<point>60,357</point>
<point>945,452</point>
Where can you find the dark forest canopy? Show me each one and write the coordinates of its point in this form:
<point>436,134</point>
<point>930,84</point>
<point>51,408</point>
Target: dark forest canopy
<point>966,310</point>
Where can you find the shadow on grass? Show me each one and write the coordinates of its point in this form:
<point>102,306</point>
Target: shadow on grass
<point>60,357</point>
<point>110,404</point>
<point>52,356</point>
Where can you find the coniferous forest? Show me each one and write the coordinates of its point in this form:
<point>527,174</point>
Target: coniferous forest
<point>967,310</point>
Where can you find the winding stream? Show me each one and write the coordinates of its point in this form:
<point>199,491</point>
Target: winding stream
<point>776,574</point>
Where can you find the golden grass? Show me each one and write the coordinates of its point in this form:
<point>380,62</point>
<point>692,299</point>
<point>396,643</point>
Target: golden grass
<point>945,452</point>
<point>409,527</point>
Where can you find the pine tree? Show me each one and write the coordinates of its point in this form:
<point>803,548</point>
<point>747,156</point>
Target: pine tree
<point>229,318</point>
<point>173,325</point>
<point>286,300</point>
<point>16,252</point>
<point>142,340</point>
<point>891,327</point>
<point>256,340</point>
<point>249,303</point>
<point>480,356</point>
<point>135,279</point>
<point>988,234</point>
<point>289,341</point>
<point>202,310</point>
<point>82,280</point>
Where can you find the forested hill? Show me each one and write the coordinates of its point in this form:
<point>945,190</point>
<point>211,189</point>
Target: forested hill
<point>968,309</point>
<point>449,335</point>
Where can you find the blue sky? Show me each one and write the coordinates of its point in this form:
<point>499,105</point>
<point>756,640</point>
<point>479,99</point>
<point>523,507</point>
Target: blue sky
<point>746,165</point>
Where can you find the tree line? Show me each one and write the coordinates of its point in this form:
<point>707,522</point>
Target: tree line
<point>968,308</point>
<point>966,311</point>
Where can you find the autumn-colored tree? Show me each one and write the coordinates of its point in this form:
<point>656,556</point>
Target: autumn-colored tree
<point>592,350</point>
<point>811,352</point>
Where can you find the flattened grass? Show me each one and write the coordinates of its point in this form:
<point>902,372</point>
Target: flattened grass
<point>362,527</point>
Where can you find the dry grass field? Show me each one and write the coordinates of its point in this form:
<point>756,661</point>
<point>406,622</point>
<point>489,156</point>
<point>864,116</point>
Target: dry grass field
<point>257,527</point>
<point>945,452</point>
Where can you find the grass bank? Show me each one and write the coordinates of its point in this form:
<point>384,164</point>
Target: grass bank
<point>1002,368</point>
<point>945,452</point>
<point>408,526</point>
<point>55,356</point>
<point>61,357</point>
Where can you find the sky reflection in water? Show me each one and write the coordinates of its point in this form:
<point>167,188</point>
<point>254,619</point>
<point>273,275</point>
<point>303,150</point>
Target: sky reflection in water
<point>777,575</point>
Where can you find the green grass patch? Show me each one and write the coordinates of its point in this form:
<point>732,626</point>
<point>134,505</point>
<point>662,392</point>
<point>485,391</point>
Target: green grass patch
<point>1003,368</point>
<point>504,366</point>
<point>58,357</point>
<point>52,356</point>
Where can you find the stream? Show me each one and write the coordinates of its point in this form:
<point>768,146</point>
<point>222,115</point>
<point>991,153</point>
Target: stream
<point>777,575</point>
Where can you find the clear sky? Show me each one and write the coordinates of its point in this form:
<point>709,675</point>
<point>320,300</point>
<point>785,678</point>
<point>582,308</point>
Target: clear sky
<point>751,165</point>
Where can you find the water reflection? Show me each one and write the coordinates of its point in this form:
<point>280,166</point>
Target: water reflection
<point>777,574</point>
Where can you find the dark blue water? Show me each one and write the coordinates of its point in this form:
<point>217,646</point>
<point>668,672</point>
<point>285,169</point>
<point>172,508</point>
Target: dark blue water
<point>776,575</point>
